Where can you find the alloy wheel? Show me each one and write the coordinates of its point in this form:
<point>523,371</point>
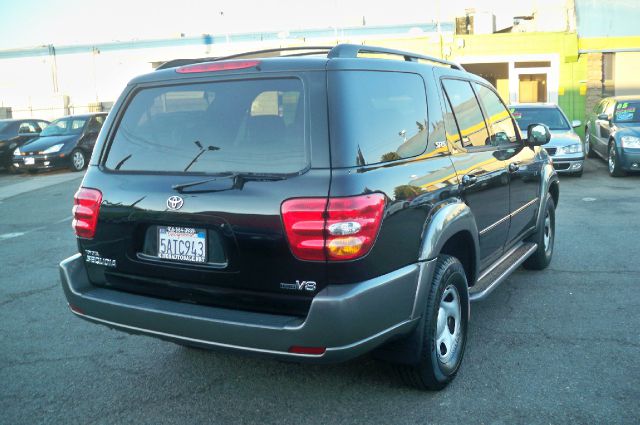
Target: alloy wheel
<point>612,159</point>
<point>78,160</point>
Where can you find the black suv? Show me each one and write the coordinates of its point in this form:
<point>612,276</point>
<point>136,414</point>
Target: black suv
<point>309,208</point>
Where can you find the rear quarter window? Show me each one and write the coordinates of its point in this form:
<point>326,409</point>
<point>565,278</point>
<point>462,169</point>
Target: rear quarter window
<point>376,116</point>
<point>252,126</point>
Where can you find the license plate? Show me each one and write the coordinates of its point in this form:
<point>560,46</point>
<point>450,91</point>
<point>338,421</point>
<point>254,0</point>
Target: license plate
<point>29,161</point>
<point>182,244</point>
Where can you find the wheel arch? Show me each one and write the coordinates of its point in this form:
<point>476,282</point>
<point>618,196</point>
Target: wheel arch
<point>451,229</point>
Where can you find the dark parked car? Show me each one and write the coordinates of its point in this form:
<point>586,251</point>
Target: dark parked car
<point>613,133</point>
<point>565,148</point>
<point>13,134</point>
<point>66,142</point>
<point>310,208</point>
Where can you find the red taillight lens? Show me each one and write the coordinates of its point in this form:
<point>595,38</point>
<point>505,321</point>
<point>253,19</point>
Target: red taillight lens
<point>216,66</point>
<point>85,212</point>
<point>304,224</point>
<point>332,229</point>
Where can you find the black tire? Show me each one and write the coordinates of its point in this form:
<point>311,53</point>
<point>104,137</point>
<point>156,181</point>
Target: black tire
<point>546,228</point>
<point>77,160</point>
<point>587,144</point>
<point>613,164</point>
<point>437,366</point>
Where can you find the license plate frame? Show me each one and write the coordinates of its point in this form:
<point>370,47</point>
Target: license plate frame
<point>183,244</point>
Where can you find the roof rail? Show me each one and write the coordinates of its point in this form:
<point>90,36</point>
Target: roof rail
<point>352,51</point>
<point>338,51</point>
<point>301,51</point>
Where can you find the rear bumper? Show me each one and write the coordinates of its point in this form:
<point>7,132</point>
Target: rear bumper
<point>348,320</point>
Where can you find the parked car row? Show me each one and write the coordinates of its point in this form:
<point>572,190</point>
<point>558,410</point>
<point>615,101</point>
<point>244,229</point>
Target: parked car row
<point>32,144</point>
<point>612,132</point>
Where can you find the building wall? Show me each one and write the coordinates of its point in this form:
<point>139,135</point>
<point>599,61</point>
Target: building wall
<point>626,68</point>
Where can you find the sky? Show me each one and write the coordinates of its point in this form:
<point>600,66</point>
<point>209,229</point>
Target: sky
<point>25,23</point>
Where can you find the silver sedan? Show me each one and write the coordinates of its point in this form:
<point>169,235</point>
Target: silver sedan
<point>565,147</point>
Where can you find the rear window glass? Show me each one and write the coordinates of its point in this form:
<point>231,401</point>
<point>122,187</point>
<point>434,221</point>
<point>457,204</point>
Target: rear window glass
<point>382,114</point>
<point>253,126</point>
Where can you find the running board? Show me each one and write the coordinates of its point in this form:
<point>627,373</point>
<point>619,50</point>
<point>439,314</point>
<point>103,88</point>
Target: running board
<point>500,270</point>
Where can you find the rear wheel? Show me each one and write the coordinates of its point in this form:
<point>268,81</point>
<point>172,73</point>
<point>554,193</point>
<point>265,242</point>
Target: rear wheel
<point>442,329</point>
<point>615,170</point>
<point>78,160</point>
<point>545,237</point>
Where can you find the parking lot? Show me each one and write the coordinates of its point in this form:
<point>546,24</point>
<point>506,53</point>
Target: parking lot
<point>558,346</point>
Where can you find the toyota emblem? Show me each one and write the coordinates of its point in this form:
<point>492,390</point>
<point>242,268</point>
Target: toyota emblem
<point>174,202</point>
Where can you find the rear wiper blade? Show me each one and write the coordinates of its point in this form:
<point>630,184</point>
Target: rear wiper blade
<point>238,180</point>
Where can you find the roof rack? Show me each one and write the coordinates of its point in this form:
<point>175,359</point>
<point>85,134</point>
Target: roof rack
<point>332,52</point>
<point>352,51</point>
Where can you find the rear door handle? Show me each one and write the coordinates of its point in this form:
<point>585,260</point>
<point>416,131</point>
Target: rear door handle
<point>468,180</point>
<point>513,167</point>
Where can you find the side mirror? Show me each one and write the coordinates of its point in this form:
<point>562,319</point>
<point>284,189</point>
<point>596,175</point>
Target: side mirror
<point>538,134</point>
<point>603,117</point>
<point>576,123</point>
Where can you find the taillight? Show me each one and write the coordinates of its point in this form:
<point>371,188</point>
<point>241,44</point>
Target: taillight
<point>85,212</point>
<point>352,225</point>
<point>217,66</point>
<point>334,229</point>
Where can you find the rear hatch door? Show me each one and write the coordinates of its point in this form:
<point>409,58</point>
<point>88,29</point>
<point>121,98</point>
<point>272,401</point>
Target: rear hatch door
<point>193,176</point>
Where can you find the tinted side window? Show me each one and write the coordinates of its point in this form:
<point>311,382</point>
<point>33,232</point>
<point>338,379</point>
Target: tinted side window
<point>467,113</point>
<point>95,124</point>
<point>609,108</point>
<point>382,114</point>
<point>27,127</point>
<point>503,132</point>
<point>451,128</point>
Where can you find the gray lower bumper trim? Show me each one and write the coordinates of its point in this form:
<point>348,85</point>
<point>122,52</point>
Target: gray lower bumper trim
<point>348,320</point>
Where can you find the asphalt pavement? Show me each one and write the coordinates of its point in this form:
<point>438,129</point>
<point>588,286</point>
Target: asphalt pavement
<point>551,347</point>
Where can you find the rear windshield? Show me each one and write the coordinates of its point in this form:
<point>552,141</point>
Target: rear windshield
<point>551,117</point>
<point>252,126</point>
